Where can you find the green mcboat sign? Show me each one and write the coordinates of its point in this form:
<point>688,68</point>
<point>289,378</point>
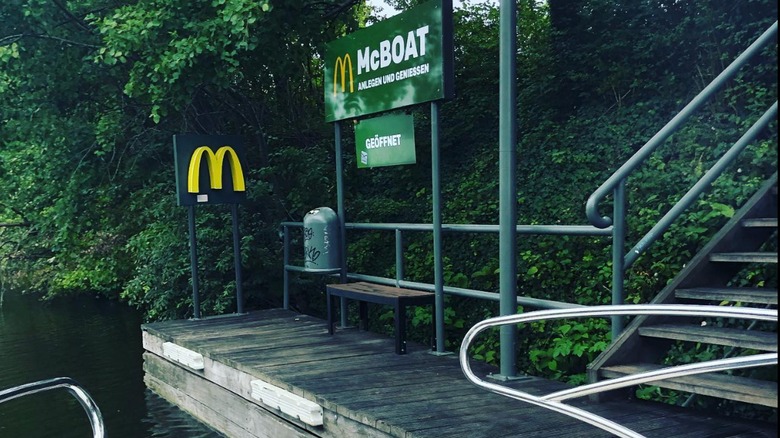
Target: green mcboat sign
<point>401,61</point>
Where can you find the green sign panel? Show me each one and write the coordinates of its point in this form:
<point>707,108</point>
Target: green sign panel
<point>385,141</point>
<point>401,61</point>
<point>210,169</point>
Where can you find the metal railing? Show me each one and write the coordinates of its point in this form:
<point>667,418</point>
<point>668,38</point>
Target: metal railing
<point>614,227</point>
<point>83,397</point>
<point>554,401</point>
<point>616,182</point>
<point>400,228</point>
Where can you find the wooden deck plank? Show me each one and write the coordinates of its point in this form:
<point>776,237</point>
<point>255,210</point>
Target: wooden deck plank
<point>732,337</point>
<point>356,384</point>
<point>367,390</point>
<point>359,366</point>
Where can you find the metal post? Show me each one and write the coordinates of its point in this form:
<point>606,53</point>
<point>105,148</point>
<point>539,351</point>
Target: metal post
<point>507,147</point>
<point>237,259</point>
<point>341,213</point>
<point>286,298</point>
<point>399,258</point>
<point>618,252</point>
<point>438,268</point>
<point>194,262</point>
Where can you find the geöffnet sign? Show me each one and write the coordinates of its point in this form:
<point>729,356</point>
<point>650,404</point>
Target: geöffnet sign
<point>385,141</point>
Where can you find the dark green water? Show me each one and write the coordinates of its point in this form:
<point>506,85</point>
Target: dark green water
<point>97,343</point>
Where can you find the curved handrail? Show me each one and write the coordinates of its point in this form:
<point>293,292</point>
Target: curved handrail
<point>86,401</point>
<point>591,206</point>
<point>553,401</point>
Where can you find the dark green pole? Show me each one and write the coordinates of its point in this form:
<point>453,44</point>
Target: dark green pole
<point>507,147</point>
<point>399,258</point>
<point>286,237</point>
<point>341,213</point>
<point>618,252</point>
<point>438,270</point>
<point>237,259</point>
<point>194,262</point>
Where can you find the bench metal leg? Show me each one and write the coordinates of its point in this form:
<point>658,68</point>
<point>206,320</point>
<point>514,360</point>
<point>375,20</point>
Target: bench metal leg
<point>363,310</point>
<point>329,300</point>
<point>400,328</point>
<point>433,328</point>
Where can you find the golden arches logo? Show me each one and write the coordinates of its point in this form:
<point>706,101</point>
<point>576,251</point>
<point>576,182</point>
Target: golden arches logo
<point>341,66</point>
<point>215,162</point>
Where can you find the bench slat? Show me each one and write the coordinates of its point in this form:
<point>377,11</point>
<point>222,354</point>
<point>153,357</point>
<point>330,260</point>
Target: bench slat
<point>397,297</point>
<point>378,289</point>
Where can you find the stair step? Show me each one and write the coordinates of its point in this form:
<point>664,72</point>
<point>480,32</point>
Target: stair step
<point>753,295</point>
<point>762,222</point>
<point>742,389</point>
<point>731,337</point>
<point>744,257</point>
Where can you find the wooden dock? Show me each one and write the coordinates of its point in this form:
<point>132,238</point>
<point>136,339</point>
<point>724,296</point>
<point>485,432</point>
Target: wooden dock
<point>364,389</point>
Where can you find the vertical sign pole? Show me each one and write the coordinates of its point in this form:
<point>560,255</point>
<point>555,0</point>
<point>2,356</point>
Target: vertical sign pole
<point>286,303</point>
<point>341,213</point>
<point>507,151</point>
<point>438,269</point>
<point>399,257</point>
<point>237,259</point>
<point>194,262</point>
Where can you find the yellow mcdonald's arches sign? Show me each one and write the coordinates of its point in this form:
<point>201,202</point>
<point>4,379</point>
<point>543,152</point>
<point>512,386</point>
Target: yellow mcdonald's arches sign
<point>340,67</point>
<point>215,163</point>
<point>197,183</point>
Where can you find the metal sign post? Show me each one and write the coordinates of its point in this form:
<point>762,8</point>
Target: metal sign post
<point>507,157</point>
<point>198,184</point>
<point>194,262</point>
<point>237,258</point>
<point>399,62</point>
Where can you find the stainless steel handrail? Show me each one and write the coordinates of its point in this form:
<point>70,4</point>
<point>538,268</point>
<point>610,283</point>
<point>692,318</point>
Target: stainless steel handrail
<point>553,401</point>
<point>86,401</point>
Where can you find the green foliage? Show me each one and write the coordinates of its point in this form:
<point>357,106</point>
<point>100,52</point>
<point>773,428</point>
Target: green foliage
<point>90,173</point>
<point>177,46</point>
<point>566,347</point>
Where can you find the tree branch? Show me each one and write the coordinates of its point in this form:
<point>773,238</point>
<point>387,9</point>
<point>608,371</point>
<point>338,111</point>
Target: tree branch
<point>14,224</point>
<point>24,222</point>
<point>10,39</point>
<point>6,40</point>
<point>72,17</point>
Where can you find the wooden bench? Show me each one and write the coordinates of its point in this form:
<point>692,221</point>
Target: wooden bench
<point>379,294</point>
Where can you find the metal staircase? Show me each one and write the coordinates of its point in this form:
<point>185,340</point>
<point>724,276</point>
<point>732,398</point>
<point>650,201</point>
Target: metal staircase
<point>718,275</point>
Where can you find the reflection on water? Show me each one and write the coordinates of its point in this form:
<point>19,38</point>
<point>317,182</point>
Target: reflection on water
<point>166,420</point>
<point>97,343</point>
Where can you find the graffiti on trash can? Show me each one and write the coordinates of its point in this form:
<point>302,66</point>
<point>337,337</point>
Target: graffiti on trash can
<point>311,254</point>
<point>325,241</point>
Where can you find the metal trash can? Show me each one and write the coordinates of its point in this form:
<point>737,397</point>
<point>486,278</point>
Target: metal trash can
<point>321,240</point>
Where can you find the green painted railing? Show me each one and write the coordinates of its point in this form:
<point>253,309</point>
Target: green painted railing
<point>616,182</point>
<point>614,227</point>
<point>400,228</point>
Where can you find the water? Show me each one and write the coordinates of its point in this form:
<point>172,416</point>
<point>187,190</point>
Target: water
<point>96,342</point>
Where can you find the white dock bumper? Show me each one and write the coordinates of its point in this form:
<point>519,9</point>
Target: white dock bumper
<point>183,356</point>
<point>287,402</point>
